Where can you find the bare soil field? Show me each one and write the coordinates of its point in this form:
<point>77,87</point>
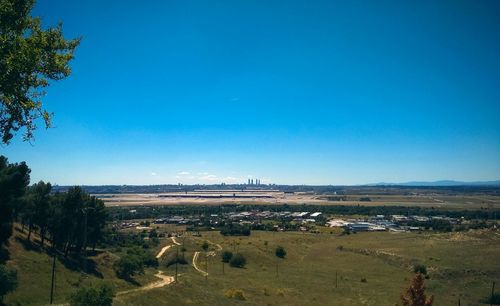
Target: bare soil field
<point>280,198</point>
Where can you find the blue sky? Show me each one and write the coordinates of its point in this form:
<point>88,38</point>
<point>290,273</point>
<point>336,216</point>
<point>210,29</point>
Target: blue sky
<point>293,92</point>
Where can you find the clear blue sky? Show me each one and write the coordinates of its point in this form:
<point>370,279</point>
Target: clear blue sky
<point>294,92</point>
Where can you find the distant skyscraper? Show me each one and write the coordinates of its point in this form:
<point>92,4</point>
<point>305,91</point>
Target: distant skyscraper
<point>251,182</point>
<point>248,181</point>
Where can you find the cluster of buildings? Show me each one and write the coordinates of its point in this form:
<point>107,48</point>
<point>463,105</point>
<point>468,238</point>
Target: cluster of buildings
<point>304,217</point>
<point>384,223</point>
<point>177,220</point>
<point>251,182</point>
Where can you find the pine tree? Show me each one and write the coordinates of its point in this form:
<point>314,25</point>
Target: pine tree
<point>415,294</point>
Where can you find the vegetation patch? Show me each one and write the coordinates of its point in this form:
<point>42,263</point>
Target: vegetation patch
<point>237,294</point>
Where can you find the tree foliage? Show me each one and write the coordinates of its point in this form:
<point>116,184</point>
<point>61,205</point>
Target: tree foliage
<point>415,294</point>
<point>13,181</point>
<point>238,261</point>
<point>128,266</point>
<point>204,246</point>
<point>419,268</point>
<point>30,58</point>
<point>226,256</point>
<point>134,261</point>
<point>101,295</point>
<point>8,281</point>
<point>36,207</point>
<point>280,252</point>
<point>235,229</point>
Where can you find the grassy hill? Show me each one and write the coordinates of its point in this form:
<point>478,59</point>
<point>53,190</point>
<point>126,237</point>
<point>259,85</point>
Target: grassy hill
<point>371,269</point>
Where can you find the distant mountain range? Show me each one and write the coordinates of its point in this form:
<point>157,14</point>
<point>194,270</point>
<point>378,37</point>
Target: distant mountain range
<point>441,183</point>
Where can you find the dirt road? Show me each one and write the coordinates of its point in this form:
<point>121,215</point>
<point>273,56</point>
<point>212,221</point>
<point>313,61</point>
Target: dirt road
<point>164,279</point>
<point>195,258</point>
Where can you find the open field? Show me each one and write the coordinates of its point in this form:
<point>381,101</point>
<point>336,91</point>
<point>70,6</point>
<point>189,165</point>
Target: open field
<point>460,265</point>
<point>197,198</point>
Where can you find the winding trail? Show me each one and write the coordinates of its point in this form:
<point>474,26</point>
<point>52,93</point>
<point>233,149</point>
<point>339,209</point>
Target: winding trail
<point>195,258</point>
<point>164,279</point>
<point>163,250</point>
<point>175,241</point>
<point>211,253</point>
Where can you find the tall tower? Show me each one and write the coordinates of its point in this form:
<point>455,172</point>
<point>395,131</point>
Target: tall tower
<point>248,181</point>
<point>252,182</point>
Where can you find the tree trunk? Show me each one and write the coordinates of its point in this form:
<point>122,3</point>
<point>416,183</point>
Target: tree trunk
<point>42,236</point>
<point>66,250</point>
<point>30,228</point>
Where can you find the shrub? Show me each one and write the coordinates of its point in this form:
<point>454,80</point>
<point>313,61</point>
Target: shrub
<point>101,295</point>
<point>238,261</point>
<point>235,294</point>
<point>492,299</point>
<point>415,294</point>
<point>204,246</point>
<point>145,256</point>
<point>280,252</point>
<point>226,256</point>
<point>8,281</point>
<point>419,268</point>
<point>175,259</point>
<point>363,280</point>
<point>128,266</point>
<point>235,229</point>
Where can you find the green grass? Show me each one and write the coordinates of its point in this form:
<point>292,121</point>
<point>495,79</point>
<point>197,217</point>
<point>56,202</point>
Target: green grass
<point>459,264</point>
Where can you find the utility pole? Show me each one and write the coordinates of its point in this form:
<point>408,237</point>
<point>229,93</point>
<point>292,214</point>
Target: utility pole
<point>85,243</point>
<point>492,294</point>
<point>53,276</point>
<point>176,262</point>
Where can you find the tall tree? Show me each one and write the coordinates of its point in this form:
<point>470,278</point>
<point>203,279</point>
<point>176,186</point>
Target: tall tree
<point>14,178</point>
<point>35,210</point>
<point>8,281</point>
<point>30,58</point>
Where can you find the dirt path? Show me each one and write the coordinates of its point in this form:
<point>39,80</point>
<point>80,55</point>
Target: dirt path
<point>175,241</point>
<point>211,253</point>
<point>163,250</point>
<point>164,281</point>
<point>195,258</point>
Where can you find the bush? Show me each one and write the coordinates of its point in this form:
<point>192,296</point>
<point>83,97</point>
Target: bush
<point>8,281</point>
<point>495,299</point>
<point>235,294</point>
<point>238,261</point>
<point>280,252</point>
<point>363,280</point>
<point>226,256</point>
<point>101,295</point>
<point>204,246</point>
<point>235,229</point>
<point>175,259</point>
<point>145,256</point>
<point>420,269</point>
<point>128,266</point>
